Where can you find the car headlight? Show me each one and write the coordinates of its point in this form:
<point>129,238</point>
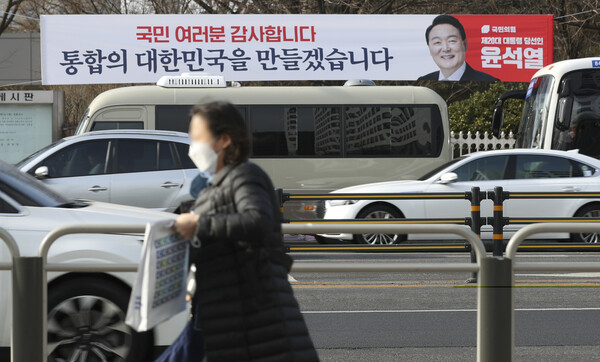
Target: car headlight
<point>330,203</point>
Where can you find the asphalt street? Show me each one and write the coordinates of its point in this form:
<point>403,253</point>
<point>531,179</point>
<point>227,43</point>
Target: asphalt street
<point>432,316</point>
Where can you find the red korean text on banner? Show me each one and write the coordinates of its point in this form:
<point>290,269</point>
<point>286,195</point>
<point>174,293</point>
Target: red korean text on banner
<point>509,47</point>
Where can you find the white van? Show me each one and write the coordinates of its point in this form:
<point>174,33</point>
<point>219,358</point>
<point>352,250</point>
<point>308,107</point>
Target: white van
<point>308,139</point>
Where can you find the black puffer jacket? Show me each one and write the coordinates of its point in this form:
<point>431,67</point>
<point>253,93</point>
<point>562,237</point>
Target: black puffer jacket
<point>244,302</point>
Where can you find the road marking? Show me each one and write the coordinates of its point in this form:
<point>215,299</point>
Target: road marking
<point>446,282</point>
<point>548,256</point>
<point>518,286</point>
<point>369,286</point>
<point>407,311</point>
<point>421,281</point>
<point>427,256</point>
<point>565,282</point>
<point>364,248</point>
<point>291,279</point>
<point>563,275</point>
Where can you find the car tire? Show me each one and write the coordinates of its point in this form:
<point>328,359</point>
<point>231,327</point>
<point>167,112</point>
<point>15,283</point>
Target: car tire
<point>322,240</point>
<point>325,240</point>
<point>379,211</point>
<point>87,316</point>
<point>592,211</point>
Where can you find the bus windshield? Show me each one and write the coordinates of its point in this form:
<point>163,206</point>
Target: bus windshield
<point>582,130</point>
<point>535,112</point>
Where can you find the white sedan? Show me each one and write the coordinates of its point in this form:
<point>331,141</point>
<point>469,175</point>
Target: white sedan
<point>86,311</point>
<point>516,170</point>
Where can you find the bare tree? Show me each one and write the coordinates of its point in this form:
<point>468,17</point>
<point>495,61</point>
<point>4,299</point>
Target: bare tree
<point>8,15</point>
<point>576,24</point>
<point>171,6</point>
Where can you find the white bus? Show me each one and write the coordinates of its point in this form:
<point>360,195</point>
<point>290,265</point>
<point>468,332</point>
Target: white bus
<point>308,139</point>
<point>562,108</point>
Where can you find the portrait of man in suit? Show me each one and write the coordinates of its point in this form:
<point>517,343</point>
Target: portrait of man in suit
<point>448,45</point>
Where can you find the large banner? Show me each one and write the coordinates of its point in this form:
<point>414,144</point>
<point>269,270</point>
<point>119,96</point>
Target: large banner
<point>85,49</point>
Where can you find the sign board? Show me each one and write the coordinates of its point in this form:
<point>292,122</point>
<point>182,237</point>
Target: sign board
<point>29,120</point>
<point>82,49</point>
<point>26,97</point>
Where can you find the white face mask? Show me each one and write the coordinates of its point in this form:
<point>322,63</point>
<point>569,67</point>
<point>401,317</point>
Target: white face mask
<point>203,156</point>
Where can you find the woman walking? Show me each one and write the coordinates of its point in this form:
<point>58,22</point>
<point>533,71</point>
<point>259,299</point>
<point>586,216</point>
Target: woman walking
<point>244,304</point>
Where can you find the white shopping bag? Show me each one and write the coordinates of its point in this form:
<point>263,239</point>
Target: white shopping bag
<point>161,282</point>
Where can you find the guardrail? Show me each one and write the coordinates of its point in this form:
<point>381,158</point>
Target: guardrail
<point>18,330</point>
<point>475,196</point>
<point>495,305</point>
<point>29,286</point>
<point>475,221</point>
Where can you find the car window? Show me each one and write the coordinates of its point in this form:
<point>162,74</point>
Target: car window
<point>582,170</point>
<point>26,190</point>
<point>81,159</point>
<point>182,150</point>
<point>136,156</point>
<point>440,168</point>
<point>39,152</point>
<point>482,169</point>
<point>538,166</point>
<point>6,207</point>
<point>166,161</point>
<point>16,195</point>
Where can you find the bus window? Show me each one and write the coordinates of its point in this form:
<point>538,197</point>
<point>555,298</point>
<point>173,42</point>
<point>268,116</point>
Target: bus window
<point>280,131</point>
<point>177,117</point>
<point>327,129</point>
<point>408,131</point>
<point>172,118</point>
<point>103,126</point>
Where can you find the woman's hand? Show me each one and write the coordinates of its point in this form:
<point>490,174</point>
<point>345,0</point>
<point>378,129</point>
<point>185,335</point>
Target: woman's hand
<point>185,225</point>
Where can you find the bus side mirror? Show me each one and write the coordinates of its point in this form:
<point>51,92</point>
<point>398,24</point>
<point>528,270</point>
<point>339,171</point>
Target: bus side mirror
<point>498,118</point>
<point>563,113</point>
<point>565,88</point>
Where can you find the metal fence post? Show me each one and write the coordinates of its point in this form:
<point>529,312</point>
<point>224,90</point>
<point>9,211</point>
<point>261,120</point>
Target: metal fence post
<point>498,196</point>
<point>28,327</point>
<point>283,198</point>
<point>495,311</point>
<point>475,196</point>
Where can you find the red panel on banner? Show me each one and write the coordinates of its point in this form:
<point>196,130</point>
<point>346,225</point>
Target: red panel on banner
<point>509,47</point>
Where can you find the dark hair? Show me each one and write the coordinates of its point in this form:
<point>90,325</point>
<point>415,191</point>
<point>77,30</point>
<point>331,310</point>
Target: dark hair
<point>223,118</point>
<point>446,19</point>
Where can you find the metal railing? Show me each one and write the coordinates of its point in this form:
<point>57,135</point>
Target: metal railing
<point>495,305</point>
<point>29,286</point>
<point>498,196</point>
<point>18,330</point>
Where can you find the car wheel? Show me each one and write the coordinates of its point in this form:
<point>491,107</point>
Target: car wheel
<point>322,240</point>
<point>325,240</point>
<point>86,322</point>
<point>592,211</point>
<point>379,212</point>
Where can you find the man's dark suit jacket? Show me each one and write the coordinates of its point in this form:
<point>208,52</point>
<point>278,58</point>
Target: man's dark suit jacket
<point>470,74</point>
